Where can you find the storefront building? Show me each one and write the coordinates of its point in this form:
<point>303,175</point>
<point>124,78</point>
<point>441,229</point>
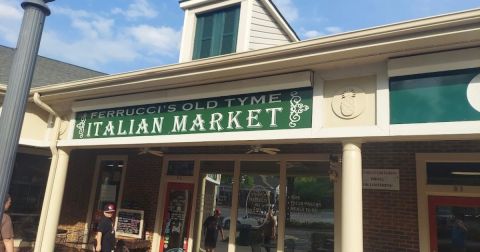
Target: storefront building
<point>362,141</point>
<point>33,159</point>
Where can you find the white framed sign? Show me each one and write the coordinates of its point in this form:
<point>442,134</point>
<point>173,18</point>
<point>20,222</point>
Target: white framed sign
<point>381,179</point>
<point>129,223</point>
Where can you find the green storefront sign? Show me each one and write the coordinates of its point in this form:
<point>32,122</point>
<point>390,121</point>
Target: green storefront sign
<point>283,109</point>
<point>435,97</point>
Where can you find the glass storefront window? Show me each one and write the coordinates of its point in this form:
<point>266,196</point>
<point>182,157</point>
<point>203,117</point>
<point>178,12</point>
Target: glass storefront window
<point>258,206</point>
<point>27,188</point>
<point>180,168</point>
<point>254,223</point>
<point>458,228</point>
<point>107,189</point>
<point>215,195</point>
<point>109,180</point>
<point>310,207</point>
<point>467,174</point>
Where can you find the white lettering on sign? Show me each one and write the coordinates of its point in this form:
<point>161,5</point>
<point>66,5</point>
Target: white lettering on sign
<point>381,179</point>
<point>260,111</point>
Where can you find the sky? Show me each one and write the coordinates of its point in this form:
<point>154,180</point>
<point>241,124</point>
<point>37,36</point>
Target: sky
<point>114,36</point>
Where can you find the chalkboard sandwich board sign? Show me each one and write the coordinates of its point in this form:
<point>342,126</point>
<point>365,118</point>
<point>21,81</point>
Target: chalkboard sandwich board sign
<point>129,223</point>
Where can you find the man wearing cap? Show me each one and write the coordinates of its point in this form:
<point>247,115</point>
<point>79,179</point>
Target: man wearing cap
<point>212,226</point>
<point>6,235</point>
<point>105,232</point>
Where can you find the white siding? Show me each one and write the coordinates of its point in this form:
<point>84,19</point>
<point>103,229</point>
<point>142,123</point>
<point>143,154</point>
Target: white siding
<point>265,31</point>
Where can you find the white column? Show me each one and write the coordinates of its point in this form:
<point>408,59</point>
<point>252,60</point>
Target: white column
<point>232,235</point>
<point>55,204</point>
<point>352,217</point>
<point>49,186</point>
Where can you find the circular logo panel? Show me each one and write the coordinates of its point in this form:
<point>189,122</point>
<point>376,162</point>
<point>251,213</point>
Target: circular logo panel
<point>348,102</point>
<point>473,93</point>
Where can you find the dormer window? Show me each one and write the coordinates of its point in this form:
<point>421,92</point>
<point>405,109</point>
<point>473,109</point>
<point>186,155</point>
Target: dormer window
<point>214,27</point>
<point>216,32</point>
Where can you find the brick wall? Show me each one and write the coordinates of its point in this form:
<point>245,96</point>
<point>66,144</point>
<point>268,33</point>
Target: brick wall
<point>77,190</point>
<point>390,217</point>
<point>141,186</point>
<point>142,183</point>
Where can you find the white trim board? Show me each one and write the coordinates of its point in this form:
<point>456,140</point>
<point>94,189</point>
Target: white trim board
<point>206,5</point>
<point>247,86</point>
<point>192,138</point>
<point>34,143</point>
<point>438,128</point>
<point>435,62</point>
<point>398,131</point>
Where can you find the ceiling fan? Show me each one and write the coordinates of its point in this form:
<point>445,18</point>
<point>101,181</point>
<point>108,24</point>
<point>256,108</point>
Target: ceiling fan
<point>259,148</point>
<point>147,150</point>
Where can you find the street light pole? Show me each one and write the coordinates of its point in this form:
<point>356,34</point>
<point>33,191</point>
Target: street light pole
<point>19,82</point>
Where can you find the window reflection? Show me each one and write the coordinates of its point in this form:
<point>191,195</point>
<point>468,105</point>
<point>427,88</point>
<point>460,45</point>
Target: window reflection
<point>180,168</point>
<point>458,228</point>
<point>310,207</point>
<point>258,206</point>
<point>108,187</point>
<point>453,174</point>
<point>309,223</point>
<point>215,203</point>
<point>27,189</point>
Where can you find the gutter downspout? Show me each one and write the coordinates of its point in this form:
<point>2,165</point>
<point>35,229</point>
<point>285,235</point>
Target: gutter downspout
<point>53,168</point>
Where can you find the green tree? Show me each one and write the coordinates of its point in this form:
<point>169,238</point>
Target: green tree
<point>246,181</point>
<point>313,188</point>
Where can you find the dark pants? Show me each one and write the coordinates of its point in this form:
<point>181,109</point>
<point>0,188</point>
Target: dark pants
<point>267,243</point>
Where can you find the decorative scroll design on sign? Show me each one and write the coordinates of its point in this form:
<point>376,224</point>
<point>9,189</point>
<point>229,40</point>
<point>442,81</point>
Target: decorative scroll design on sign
<point>349,102</point>
<point>81,125</point>
<point>296,108</point>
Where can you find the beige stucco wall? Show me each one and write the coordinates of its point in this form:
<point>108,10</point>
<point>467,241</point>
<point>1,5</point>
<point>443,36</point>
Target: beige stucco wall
<point>35,124</point>
<point>350,102</point>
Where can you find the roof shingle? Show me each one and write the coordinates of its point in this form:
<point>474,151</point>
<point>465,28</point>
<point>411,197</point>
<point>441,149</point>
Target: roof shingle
<point>47,71</point>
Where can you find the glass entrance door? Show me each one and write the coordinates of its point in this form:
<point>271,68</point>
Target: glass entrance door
<point>110,173</point>
<point>454,224</point>
<point>176,218</point>
<point>258,206</point>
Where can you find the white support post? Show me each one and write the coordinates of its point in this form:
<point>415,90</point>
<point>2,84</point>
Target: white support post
<point>352,212</point>
<point>232,235</point>
<point>49,186</point>
<point>55,204</point>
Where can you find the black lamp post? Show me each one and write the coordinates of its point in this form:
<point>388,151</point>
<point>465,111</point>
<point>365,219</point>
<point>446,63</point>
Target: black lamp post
<point>19,82</point>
